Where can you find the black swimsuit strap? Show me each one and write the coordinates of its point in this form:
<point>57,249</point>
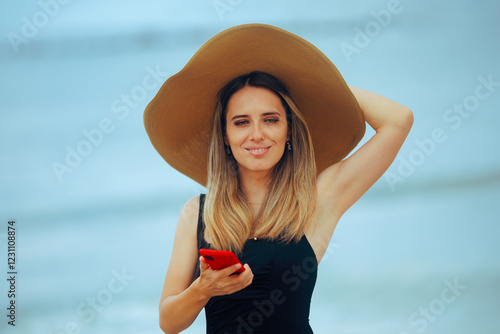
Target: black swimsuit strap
<point>200,231</point>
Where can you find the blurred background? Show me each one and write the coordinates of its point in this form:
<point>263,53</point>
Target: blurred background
<point>95,206</point>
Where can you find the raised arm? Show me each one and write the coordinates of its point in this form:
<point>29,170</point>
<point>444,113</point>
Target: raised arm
<point>342,184</point>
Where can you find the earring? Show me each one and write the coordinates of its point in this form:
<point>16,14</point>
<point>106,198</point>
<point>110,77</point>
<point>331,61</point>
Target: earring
<point>288,145</point>
<point>228,150</point>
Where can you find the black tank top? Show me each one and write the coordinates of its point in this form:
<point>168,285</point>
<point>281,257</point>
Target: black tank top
<point>279,298</point>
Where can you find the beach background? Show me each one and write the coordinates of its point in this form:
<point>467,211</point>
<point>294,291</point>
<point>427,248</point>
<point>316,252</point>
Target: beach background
<point>95,206</point>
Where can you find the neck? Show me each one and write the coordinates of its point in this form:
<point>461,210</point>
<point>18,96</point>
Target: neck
<point>255,186</point>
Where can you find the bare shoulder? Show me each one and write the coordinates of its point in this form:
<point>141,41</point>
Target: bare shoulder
<point>192,207</point>
<point>185,251</point>
<point>189,214</point>
<point>188,220</point>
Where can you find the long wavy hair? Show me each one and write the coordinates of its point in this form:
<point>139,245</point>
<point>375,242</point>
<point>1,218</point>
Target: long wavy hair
<point>290,202</point>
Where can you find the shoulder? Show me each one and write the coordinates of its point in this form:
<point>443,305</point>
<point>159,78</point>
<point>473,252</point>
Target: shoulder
<point>189,214</point>
<point>192,205</point>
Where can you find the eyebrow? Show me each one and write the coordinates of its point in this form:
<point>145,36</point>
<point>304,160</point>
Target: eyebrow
<point>272,113</point>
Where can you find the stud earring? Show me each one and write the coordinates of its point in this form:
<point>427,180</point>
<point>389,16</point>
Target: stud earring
<point>288,145</point>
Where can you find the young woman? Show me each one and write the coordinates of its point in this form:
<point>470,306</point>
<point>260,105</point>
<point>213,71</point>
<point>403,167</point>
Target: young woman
<point>268,201</point>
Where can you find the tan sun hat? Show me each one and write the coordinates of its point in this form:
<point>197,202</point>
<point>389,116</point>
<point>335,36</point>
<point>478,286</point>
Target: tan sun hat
<point>179,118</point>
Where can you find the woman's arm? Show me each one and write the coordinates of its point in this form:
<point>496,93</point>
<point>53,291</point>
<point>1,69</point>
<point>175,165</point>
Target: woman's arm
<point>182,299</point>
<point>180,303</point>
<point>342,184</point>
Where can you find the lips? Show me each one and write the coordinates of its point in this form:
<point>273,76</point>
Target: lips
<point>258,150</point>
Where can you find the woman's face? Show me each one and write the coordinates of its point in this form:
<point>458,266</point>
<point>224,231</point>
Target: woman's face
<point>256,129</point>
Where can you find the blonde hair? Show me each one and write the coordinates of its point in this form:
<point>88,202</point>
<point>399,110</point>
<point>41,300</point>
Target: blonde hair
<point>290,201</point>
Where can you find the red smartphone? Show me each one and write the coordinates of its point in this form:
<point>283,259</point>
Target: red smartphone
<point>221,259</point>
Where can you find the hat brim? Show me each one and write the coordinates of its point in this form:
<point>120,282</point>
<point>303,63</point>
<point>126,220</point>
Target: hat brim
<point>179,118</point>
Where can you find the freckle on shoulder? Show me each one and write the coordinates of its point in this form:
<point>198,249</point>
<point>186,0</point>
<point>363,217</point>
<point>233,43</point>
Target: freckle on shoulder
<point>191,207</point>
<point>193,202</point>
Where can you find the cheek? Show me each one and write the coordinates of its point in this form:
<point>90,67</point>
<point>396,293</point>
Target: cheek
<point>284,133</point>
<point>232,138</point>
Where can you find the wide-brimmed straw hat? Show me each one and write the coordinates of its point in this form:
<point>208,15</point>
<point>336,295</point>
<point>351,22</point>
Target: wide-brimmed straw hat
<point>179,118</point>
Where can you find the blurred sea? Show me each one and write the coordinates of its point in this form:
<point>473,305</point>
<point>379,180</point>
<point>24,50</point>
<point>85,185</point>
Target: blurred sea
<point>419,253</point>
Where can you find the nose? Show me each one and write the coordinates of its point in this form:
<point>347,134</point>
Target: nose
<point>256,132</point>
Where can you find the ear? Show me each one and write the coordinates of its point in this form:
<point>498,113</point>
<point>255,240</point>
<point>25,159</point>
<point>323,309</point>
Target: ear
<point>289,133</point>
<point>225,140</point>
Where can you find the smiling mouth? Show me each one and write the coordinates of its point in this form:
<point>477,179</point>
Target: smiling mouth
<point>256,150</point>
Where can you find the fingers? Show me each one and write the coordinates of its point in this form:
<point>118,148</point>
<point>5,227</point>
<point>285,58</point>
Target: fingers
<point>239,281</point>
<point>220,282</point>
<point>203,264</point>
<point>231,269</point>
<point>246,276</point>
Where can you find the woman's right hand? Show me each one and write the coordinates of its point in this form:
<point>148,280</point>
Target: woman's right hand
<point>220,282</point>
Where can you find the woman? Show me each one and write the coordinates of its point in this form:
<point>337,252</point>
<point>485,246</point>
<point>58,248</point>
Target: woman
<point>271,198</point>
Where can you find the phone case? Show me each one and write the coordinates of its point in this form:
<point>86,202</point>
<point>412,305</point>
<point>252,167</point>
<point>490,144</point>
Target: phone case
<point>221,259</point>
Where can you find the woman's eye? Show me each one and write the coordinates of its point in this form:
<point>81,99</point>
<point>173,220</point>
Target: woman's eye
<point>268,120</point>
